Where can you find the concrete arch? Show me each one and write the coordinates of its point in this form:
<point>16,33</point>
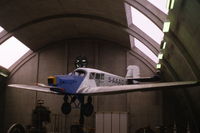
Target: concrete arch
<point>150,11</point>
<point>187,99</point>
<point>133,30</point>
<point>4,35</point>
<point>72,15</point>
<point>195,69</point>
<point>17,65</point>
<point>144,59</point>
<point>141,35</point>
<point>144,38</point>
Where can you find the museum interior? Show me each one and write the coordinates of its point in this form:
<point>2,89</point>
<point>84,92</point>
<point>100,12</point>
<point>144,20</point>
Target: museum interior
<point>41,38</point>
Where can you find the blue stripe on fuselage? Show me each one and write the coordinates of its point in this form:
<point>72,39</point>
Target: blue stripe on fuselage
<point>70,83</point>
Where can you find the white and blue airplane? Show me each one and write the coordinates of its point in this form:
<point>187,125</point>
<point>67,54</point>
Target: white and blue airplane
<point>89,82</point>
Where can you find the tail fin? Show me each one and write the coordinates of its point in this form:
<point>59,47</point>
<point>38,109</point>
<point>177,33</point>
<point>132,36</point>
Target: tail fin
<point>133,72</point>
<point>133,76</point>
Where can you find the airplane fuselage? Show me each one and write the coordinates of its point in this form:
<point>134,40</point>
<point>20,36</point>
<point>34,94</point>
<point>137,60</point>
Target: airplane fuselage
<point>83,78</point>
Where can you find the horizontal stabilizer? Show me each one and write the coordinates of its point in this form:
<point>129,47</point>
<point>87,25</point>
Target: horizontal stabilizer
<point>155,78</point>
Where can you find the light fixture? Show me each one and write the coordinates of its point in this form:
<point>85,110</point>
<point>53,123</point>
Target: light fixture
<point>166,26</point>
<point>160,56</point>
<point>170,4</point>
<point>3,74</point>
<point>158,66</point>
<point>163,45</point>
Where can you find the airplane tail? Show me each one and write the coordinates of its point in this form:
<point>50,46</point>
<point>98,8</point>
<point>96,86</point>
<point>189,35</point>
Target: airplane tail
<point>133,71</point>
<point>133,76</point>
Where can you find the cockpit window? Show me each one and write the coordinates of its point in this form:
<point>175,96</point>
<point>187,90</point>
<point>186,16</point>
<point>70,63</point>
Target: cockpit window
<point>70,74</point>
<point>92,75</point>
<point>79,73</point>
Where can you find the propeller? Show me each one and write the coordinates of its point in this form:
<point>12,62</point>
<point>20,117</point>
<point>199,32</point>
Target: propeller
<point>81,61</point>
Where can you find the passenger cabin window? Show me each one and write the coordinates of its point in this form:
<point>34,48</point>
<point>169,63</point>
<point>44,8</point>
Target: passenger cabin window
<point>92,75</point>
<point>102,76</point>
<point>97,76</point>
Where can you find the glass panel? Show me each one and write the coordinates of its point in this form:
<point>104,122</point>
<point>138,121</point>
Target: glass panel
<point>97,76</point>
<point>80,73</point>
<point>160,4</point>
<point>146,50</point>
<point>1,29</point>
<point>146,25</point>
<point>102,76</point>
<point>10,51</point>
<point>92,75</point>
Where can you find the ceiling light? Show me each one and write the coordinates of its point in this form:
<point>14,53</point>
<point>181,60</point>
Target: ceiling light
<point>160,56</point>
<point>172,4</point>
<point>163,45</point>
<point>166,26</point>
<point>158,66</point>
<point>3,74</point>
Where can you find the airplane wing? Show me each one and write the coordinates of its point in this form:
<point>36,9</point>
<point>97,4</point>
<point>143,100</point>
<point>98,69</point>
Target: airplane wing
<point>106,90</point>
<point>136,87</point>
<point>37,87</point>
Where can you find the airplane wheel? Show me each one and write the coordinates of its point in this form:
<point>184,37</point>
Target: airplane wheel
<point>89,100</point>
<point>16,128</point>
<point>66,108</point>
<point>88,109</point>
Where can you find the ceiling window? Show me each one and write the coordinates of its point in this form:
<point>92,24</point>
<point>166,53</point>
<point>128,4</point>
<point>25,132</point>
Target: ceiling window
<point>1,29</point>
<point>160,4</point>
<point>146,25</point>
<point>10,51</point>
<point>145,50</point>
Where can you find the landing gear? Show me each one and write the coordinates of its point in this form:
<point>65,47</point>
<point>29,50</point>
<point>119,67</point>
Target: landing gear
<point>85,109</point>
<point>66,106</point>
<point>88,107</point>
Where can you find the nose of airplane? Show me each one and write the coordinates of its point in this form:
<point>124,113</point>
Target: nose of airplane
<point>55,80</point>
<point>68,83</point>
<point>52,80</point>
<point>68,80</point>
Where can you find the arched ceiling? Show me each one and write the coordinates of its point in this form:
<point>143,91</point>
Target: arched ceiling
<point>38,23</point>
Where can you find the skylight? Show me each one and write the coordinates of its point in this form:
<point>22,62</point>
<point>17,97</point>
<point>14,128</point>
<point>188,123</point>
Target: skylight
<point>1,29</point>
<point>10,51</point>
<point>146,25</point>
<point>145,50</point>
<point>160,4</point>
